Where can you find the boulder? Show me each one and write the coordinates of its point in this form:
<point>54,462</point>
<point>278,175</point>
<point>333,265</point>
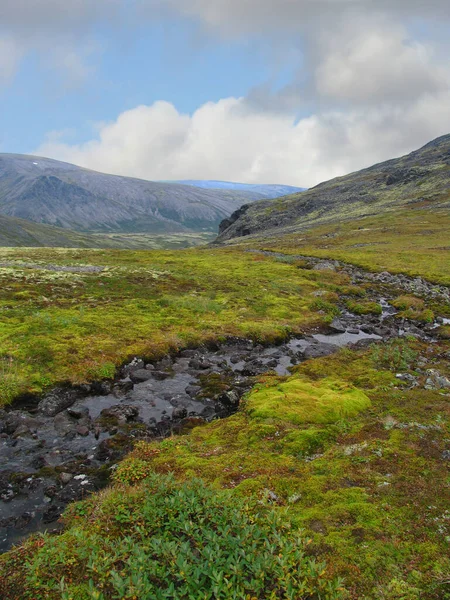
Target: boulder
<point>56,401</point>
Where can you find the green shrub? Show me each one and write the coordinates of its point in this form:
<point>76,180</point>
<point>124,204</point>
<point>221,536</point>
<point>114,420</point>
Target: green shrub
<point>180,542</point>
<point>395,355</point>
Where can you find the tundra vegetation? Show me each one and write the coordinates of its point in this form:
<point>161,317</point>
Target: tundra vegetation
<point>332,482</point>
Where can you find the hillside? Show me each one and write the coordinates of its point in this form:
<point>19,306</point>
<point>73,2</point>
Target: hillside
<point>420,179</point>
<point>64,195</point>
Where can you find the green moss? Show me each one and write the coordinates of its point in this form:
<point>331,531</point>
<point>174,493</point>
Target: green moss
<point>301,402</point>
<point>364,308</point>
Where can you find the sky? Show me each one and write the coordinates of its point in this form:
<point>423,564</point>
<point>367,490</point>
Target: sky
<point>258,91</point>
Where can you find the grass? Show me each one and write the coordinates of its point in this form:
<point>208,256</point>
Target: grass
<point>61,326</point>
<point>413,241</point>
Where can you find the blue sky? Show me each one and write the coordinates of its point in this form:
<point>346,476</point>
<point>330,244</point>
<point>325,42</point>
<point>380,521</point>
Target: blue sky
<point>262,91</point>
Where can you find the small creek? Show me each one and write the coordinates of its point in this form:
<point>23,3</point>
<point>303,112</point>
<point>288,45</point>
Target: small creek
<point>64,447</point>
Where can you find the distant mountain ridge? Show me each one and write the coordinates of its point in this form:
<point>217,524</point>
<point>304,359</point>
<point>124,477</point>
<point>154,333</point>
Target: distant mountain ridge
<point>420,179</point>
<point>51,192</point>
<point>268,191</point>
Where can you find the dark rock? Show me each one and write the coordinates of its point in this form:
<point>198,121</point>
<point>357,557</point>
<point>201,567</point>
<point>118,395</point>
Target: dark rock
<point>193,390</point>
<point>141,375</point>
<point>336,325</point>
<point>122,387</point>
<point>77,412</point>
<point>56,401</point>
<point>83,430</point>
<point>200,364</point>
<point>52,514</point>
<point>179,413</point>
<point>318,350</point>
<point>160,375</point>
<point>121,412</point>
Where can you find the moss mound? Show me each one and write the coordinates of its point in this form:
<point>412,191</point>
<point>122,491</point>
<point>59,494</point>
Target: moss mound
<point>301,402</point>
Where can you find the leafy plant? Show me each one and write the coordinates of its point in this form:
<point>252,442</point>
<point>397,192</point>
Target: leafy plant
<point>181,542</point>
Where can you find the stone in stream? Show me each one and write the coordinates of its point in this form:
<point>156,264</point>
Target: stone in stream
<point>319,350</point>
<point>141,375</point>
<point>337,326</point>
<point>121,412</point>
<point>56,401</point>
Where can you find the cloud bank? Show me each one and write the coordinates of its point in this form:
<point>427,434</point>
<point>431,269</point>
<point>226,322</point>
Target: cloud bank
<point>373,83</point>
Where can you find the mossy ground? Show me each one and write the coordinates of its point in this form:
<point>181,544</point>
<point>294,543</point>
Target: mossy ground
<point>78,326</point>
<point>341,450</point>
<point>413,241</point>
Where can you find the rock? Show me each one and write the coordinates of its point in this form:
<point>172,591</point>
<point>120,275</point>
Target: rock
<point>318,350</point>
<point>325,265</point>
<point>102,388</point>
<point>160,375</point>
<point>122,387</point>
<point>64,424</point>
<point>179,413</point>
<point>193,390</point>
<point>141,375</point>
<point>150,367</point>
<point>21,431</point>
<point>436,381</point>
<point>121,412</point>
<point>83,430</point>
<point>56,401</point>
<point>52,514</point>
<point>135,365</point>
<point>337,326</point>
<point>65,478</point>
<point>200,363</point>
<point>229,399</point>
<point>77,412</point>
<point>353,330</point>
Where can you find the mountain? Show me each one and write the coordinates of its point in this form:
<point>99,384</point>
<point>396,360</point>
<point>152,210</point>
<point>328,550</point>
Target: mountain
<point>268,191</point>
<point>420,179</point>
<point>64,195</point>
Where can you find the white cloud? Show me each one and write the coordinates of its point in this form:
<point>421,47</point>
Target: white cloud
<point>231,140</point>
<point>376,64</point>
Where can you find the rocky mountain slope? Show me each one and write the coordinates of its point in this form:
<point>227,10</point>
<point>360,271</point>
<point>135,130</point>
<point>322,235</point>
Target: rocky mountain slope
<point>421,178</point>
<point>64,195</point>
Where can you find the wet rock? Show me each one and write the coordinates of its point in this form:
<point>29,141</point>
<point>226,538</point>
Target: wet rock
<point>122,387</point>
<point>135,365</point>
<point>65,478</point>
<point>337,326</point>
<point>164,363</point>
<point>120,412</point>
<point>102,388</point>
<point>253,368</point>
<point>64,424</point>
<point>179,413</point>
<point>160,375</point>
<point>318,350</point>
<point>200,364</point>
<point>193,390</point>
<point>353,330</point>
<point>113,448</point>
<point>78,412</point>
<point>83,430</point>
<point>56,401</point>
<point>21,431</point>
<point>141,375</point>
<point>189,353</point>
<point>229,399</point>
<point>52,514</point>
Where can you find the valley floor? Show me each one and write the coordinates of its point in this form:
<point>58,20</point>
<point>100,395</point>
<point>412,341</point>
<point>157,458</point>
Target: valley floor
<point>349,451</point>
